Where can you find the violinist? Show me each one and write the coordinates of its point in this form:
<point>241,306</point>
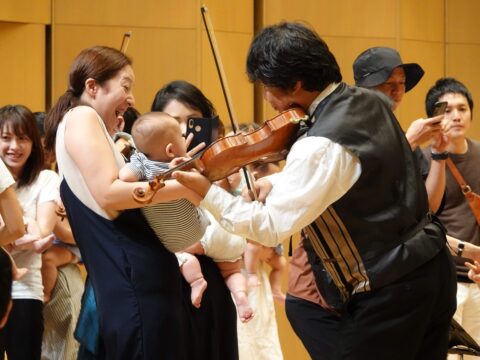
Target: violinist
<point>350,183</point>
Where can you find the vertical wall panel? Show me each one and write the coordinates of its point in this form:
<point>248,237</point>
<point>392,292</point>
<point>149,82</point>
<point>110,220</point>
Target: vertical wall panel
<point>22,65</point>
<point>233,29</point>
<point>26,11</point>
<point>463,49</point>
<point>168,43</point>
<point>156,56</point>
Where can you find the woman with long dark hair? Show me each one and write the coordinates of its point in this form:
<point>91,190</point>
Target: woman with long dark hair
<point>37,192</point>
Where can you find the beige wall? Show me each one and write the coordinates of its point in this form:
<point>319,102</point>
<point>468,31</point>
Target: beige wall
<point>22,45</point>
<point>441,35</point>
<point>168,42</point>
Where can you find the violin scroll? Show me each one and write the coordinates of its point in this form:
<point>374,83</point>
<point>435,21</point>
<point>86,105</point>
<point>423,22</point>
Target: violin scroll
<point>145,195</point>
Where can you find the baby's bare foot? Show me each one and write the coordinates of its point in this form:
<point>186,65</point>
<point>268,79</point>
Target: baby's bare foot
<point>44,243</point>
<point>245,311</point>
<point>198,288</point>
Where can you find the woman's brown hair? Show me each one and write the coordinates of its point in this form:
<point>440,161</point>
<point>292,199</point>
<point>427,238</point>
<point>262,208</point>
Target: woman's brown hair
<point>100,63</point>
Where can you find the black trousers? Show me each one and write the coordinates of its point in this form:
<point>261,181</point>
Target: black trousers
<point>21,338</point>
<point>406,320</point>
<point>316,327</point>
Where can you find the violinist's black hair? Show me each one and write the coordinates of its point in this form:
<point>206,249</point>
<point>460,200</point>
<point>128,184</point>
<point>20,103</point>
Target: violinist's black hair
<point>282,54</point>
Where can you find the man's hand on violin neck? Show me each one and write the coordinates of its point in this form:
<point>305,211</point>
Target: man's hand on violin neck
<point>262,187</point>
<point>193,180</point>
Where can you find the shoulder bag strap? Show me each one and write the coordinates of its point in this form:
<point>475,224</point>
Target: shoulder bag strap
<point>458,177</point>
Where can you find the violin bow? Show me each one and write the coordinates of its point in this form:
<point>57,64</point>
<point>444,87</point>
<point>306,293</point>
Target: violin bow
<point>125,41</point>
<point>225,90</point>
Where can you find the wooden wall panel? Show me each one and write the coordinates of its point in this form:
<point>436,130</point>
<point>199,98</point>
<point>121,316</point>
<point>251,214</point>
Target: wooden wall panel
<point>352,18</point>
<point>462,21</point>
<point>463,49</point>
<point>416,29</point>
<point>233,49</point>
<point>430,56</point>
<point>422,20</point>
<point>22,65</point>
<point>231,16</point>
<point>463,64</point>
<point>233,30</point>
<point>138,13</point>
<point>156,56</point>
<point>168,43</point>
<point>26,11</point>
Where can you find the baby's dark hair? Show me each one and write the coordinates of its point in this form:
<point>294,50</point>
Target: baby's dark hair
<point>6,277</point>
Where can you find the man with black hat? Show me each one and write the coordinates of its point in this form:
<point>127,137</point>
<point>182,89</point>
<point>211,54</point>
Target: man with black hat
<point>382,69</point>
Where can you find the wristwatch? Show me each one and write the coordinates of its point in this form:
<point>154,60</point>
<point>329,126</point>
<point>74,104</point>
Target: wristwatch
<point>460,248</point>
<point>439,156</point>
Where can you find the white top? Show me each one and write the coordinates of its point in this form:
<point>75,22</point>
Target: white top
<point>44,189</point>
<point>317,173</point>
<point>251,346</point>
<point>71,173</point>
<point>6,179</point>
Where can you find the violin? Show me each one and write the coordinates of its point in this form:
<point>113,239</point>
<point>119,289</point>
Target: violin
<point>227,155</point>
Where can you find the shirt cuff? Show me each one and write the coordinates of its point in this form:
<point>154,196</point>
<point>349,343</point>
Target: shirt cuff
<point>215,200</point>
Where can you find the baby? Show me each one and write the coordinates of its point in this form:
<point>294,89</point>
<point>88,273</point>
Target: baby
<point>254,252</point>
<point>179,224</point>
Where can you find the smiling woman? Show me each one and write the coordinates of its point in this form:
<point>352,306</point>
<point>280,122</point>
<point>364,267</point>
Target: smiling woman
<point>37,191</point>
<point>131,272</point>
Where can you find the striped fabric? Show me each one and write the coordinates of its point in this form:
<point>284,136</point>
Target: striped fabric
<point>333,244</point>
<point>61,314</point>
<point>178,224</point>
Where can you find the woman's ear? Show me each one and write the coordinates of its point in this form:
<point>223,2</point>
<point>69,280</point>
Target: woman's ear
<point>91,87</point>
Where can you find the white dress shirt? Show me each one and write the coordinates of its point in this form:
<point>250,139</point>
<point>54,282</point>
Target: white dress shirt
<point>317,173</point>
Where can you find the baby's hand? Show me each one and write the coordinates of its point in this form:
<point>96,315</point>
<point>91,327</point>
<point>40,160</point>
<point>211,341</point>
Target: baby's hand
<point>177,161</point>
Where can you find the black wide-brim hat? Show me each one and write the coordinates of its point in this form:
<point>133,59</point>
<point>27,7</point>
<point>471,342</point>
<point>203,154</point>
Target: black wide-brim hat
<point>375,65</point>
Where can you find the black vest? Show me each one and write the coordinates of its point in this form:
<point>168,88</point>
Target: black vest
<point>380,230</point>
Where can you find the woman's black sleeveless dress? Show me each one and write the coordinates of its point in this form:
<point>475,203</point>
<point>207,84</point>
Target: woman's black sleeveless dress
<point>143,303</point>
